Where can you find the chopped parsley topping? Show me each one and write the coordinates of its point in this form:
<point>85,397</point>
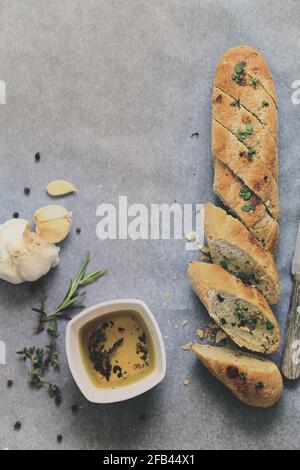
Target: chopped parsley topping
<point>245,194</point>
<point>264,104</point>
<point>223,321</point>
<point>254,81</point>
<point>240,73</point>
<point>244,134</point>
<point>259,386</point>
<point>248,208</point>
<point>243,376</point>
<point>224,264</point>
<point>270,326</point>
<point>236,103</point>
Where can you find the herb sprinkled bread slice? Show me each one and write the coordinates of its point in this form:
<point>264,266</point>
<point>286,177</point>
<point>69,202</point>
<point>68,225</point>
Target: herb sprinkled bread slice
<point>233,153</point>
<point>246,127</point>
<point>246,206</point>
<point>255,381</point>
<point>233,247</point>
<point>243,74</point>
<point>241,311</point>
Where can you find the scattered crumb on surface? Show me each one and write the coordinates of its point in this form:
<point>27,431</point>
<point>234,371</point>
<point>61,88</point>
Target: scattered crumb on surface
<point>200,334</point>
<point>187,346</point>
<point>186,382</point>
<point>185,322</point>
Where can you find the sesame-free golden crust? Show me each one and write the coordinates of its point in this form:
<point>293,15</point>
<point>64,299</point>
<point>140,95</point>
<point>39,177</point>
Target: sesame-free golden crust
<point>218,225</point>
<point>242,373</point>
<point>204,277</point>
<point>227,186</point>
<point>251,96</point>
<point>234,117</point>
<point>233,153</point>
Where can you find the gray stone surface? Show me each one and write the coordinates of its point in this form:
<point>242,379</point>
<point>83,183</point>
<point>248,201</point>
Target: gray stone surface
<point>109,92</point>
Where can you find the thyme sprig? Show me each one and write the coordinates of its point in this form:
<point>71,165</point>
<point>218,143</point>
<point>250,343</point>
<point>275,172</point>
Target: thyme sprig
<point>42,359</point>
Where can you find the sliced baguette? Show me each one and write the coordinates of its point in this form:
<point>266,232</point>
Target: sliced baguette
<point>241,311</point>
<point>255,381</point>
<point>233,247</point>
<point>258,98</point>
<point>228,188</point>
<point>233,153</point>
<point>231,115</point>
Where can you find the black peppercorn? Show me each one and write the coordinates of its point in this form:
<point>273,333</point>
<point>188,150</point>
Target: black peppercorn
<point>37,157</point>
<point>26,191</point>
<point>59,438</point>
<point>74,408</point>
<point>78,230</point>
<point>9,383</point>
<point>18,426</point>
<point>16,215</point>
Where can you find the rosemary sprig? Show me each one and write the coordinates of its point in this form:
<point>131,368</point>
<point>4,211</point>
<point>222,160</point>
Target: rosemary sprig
<point>73,295</point>
<point>42,359</point>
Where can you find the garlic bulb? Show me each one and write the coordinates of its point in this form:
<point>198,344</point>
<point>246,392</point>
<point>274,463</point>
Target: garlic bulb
<point>24,256</point>
<point>53,223</point>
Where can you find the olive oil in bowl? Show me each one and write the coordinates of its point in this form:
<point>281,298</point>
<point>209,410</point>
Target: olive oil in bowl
<point>116,349</point>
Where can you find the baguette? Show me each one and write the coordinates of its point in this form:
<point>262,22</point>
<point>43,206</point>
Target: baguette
<point>233,247</point>
<point>241,311</point>
<point>254,174</point>
<point>234,118</point>
<point>255,381</point>
<point>243,74</point>
<point>233,194</point>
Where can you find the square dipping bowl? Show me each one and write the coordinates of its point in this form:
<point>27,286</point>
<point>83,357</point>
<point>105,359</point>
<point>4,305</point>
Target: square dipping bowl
<point>125,392</point>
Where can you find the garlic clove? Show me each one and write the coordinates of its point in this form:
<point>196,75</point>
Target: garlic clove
<point>51,212</point>
<point>53,223</point>
<point>60,188</point>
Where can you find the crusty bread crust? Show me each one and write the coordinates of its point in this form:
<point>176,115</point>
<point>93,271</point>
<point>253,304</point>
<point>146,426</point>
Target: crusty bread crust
<point>234,117</point>
<point>252,96</point>
<point>204,277</point>
<point>227,186</point>
<point>233,153</point>
<point>218,225</point>
<point>254,381</point>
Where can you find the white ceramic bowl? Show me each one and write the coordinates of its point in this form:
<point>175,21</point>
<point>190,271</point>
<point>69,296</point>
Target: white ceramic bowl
<point>89,390</point>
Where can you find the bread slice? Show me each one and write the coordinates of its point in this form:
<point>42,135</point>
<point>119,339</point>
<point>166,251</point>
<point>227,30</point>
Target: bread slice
<point>233,247</point>
<point>236,196</point>
<point>255,381</point>
<point>241,311</point>
<point>260,142</point>
<point>253,86</point>
<point>233,153</point>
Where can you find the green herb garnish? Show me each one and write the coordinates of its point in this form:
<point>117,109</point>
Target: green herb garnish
<point>254,81</point>
<point>248,208</point>
<point>236,103</point>
<point>224,264</point>
<point>259,386</point>
<point>245,194</point>
<point>240,73</point>
<point>270,326</point>
<point>44,358</point>
<point>264,104</point>
<point>243,376</point>
<point>244,134</point>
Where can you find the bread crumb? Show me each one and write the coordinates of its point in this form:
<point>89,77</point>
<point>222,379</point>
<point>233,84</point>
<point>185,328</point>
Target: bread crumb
<point>186,382</point>
<point>185,322</point>
<point>187,346</point>
<point>200,334</point>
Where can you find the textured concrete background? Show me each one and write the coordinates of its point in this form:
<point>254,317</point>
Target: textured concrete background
<point>109,92</point>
